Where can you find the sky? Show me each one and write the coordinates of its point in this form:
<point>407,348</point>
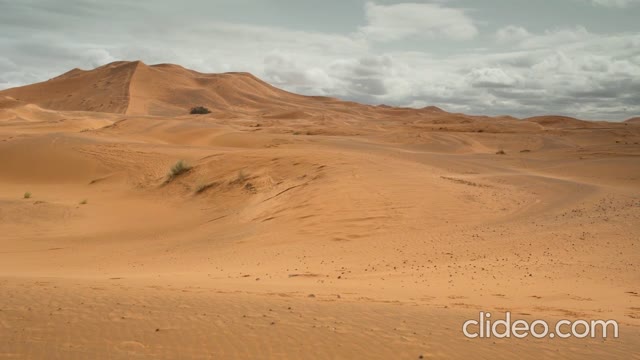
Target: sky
<point>488,57</point>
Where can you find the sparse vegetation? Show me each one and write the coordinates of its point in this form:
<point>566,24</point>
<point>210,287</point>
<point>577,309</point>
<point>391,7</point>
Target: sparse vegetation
<point>179,168</point>
<point>249,187</point>
<point>84,202</point>
<point>199,110</point>
<point>464,182</point>
<point>525,151</point>
<point>501,152</point>
<point>204,187</point>
<point>241,176</point>
<point>27,195</point>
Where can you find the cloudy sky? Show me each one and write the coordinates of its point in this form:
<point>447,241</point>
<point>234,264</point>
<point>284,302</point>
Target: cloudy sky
<point>520,57</point>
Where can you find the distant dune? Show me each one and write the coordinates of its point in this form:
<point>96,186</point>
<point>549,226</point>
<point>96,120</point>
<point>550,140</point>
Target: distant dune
<point>134,88</point>
<point>105,89</point>
<point>138,89</point>
<point>553,121</point>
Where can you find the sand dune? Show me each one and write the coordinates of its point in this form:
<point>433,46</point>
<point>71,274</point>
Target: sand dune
<point>560,122</point>
<point>305,227</point>
<point>105,89</point>
<point>138,89</point>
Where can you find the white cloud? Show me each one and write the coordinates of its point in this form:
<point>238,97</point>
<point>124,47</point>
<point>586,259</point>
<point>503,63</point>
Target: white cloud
<point>512,33</point>
<point>551,38</point>
<point>399,21</point>
<point>281,70</point>
<point>491,78</point>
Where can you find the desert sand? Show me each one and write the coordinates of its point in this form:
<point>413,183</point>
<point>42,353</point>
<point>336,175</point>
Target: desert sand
<point>306,227</point>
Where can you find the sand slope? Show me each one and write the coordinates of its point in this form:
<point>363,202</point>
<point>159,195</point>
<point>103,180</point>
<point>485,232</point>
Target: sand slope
<point>138,89</point>
<point>104,89</point>
<point>300,230</point>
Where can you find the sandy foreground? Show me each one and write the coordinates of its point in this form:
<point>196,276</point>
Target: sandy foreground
<point>333,231</point>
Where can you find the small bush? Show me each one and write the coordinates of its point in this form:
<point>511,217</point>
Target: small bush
<point>179,168</point>
<point>27,195</point>
<point>501,152</point>
<point>242,177</point>
<point>84,202</point>
<point>204,187</point>
<point>249,187</point>
<point>200,110</point>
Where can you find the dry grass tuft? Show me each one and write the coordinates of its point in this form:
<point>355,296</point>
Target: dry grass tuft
<point>179,168</point>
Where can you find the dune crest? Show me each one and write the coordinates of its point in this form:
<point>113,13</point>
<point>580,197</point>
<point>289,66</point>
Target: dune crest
<point>165,90</point>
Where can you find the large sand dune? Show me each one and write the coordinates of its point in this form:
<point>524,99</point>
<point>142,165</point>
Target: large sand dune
<point>306,227</point>
<point>138,89</point>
